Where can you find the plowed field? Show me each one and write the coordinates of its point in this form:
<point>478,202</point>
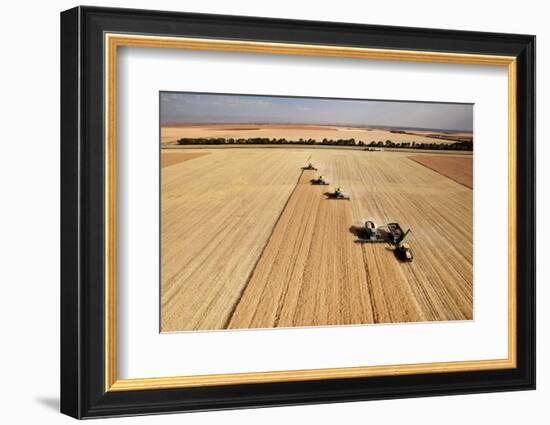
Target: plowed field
<point>458,168</point>
<point>176,157</point>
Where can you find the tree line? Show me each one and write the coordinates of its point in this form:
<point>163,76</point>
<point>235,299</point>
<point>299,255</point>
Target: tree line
<point>459,146</point>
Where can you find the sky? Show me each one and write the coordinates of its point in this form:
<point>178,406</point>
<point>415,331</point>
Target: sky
<point>200,108</point>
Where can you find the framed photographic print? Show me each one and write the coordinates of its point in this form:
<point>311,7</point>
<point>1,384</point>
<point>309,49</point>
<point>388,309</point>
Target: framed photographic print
<point>261,212</point>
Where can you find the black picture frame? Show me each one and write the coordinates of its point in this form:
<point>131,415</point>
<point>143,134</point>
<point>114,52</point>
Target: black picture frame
<point>83,392</point>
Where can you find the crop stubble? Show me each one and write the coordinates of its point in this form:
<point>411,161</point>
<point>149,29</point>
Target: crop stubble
<point>217,212</point>
<point>311,271</point>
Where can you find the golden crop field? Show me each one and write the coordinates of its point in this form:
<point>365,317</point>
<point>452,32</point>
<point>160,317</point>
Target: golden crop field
<point>248,242</point>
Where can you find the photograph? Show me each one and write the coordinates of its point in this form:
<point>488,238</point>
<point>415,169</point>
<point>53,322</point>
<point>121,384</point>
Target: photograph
<point>285,211</point>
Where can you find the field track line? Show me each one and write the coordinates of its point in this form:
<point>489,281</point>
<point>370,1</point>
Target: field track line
<point>375,314</point>
<point>243,289</point>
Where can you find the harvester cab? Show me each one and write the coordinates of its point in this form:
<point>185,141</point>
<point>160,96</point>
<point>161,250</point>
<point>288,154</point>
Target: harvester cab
<point>370,229</point>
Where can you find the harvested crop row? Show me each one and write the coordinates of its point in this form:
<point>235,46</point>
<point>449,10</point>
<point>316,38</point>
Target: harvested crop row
<point>217,213</point>
<point>312,272</point>
<point>387,187</point>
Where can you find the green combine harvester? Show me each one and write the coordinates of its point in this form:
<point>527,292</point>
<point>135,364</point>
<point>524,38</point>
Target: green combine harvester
<point>309,166</point>
<point>392,233</point>
<point>319,181</point>
<point>338,193</point>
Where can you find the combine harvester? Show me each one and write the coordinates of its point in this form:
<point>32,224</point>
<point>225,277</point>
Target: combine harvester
<point>338,194</point>
<point>319,181</point>
<point>391,233</point>
<point>309,166</point>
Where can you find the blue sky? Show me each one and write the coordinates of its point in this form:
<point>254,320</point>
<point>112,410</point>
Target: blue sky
<point>199,108</point>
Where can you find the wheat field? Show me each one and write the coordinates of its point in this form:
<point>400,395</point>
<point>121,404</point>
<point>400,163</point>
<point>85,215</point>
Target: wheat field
<point>248,242</point>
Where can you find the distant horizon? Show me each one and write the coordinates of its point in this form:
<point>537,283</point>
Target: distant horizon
<point>371,126</point>
<point>184,108</point>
